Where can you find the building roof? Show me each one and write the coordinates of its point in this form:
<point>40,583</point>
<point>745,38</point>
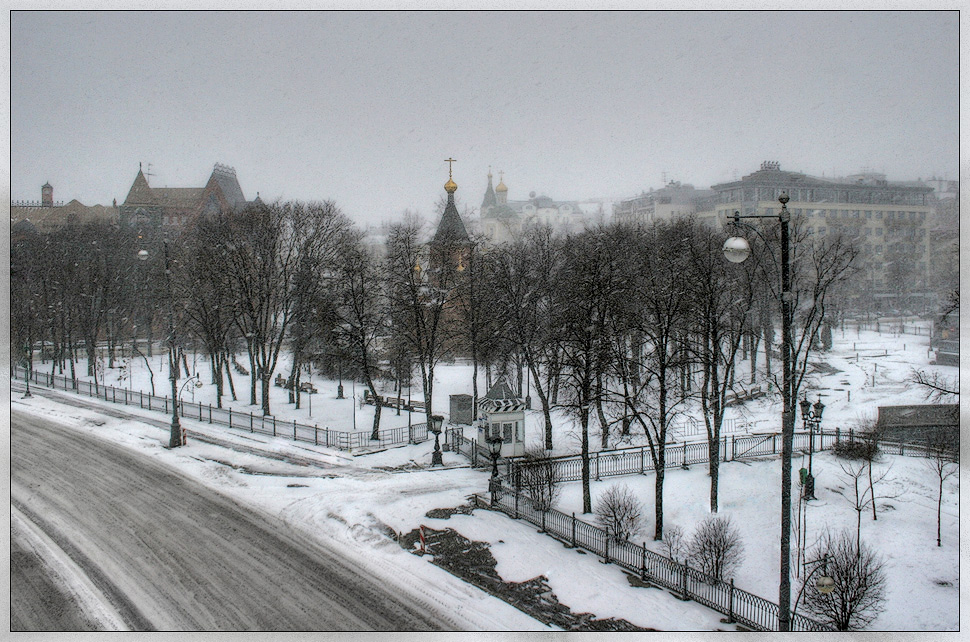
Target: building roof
<point>489,198</point>
<point>450,228</point>
<point>500,390</point>
<point>140,193</point>
<point>921,416</point>
<point>178,196</point>
<point>225,177</point>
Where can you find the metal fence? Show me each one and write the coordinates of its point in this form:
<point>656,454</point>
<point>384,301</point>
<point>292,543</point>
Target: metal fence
<point>638,460</point>
<point>254,423</point>
<point>738,605</point>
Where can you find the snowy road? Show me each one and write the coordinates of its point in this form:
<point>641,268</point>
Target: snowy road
<point>167,553</point>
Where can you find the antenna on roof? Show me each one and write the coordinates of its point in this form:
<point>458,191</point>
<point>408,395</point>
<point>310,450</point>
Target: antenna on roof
<point>663,178</point>
<point>148,172</point>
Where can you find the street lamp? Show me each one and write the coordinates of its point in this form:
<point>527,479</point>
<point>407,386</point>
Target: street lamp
<point>812,418</point>
<point>824,584</point>
<point>436,421</point>
<point>494,483</point>
<point>175,438</point>
<point>736,250</point>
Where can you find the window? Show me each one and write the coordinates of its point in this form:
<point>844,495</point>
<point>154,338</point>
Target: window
<point>878,231</point>
<point>878,249</point>
<point>507,429</point>
<point>496,430</point>
<point>878,215</point>
<point>821,230</point>
<point>868,231</point>
<point>869,214</point>
<point>520,431</point>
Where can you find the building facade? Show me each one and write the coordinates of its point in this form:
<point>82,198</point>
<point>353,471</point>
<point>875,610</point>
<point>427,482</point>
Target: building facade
<point>47,214</point>
<point>503,220</point>
<point>889,222</point>
<point>672,201</point>
<point>175,207</point>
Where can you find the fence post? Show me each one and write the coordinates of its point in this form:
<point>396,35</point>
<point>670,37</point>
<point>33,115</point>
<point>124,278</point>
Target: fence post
<point>210,413</point>
<point>725,447</point>
<point>516,506</point>
<point>683,582</point>
<point>643,563</point>
<point>543,522</point>
<point>597,465</point>
<point>606,547</point>
<point>574,530</point>
<point>773,444</point>
<point>315,431</point>
<point>294,430</point>
<point>730,619</point>
<point>274,424</point>
<point>166,405</point>
<point>250,421</point>
<point>643,460</point>
<point>230,417</point>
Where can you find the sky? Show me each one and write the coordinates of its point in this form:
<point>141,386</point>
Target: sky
<point>363,108</point>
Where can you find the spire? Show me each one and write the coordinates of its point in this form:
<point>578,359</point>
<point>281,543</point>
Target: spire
<point>450,229</point>
<point>140,193</point>
<point>489,199</point>
<point>450,186</point>
<point>501,190</point>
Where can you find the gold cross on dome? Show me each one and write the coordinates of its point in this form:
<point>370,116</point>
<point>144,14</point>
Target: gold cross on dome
<point>450,161</point>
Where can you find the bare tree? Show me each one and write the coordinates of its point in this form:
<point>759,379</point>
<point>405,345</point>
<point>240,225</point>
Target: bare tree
<point>269,249</point>
<point>541,478</point>
<point>942,462</point>
<point>674,542</point>
<point>716,548</point>
<point>362,312</point>
<point>860,583</point>
<point>859,494</point>
<point>620,512</point>
<point>936,387</point>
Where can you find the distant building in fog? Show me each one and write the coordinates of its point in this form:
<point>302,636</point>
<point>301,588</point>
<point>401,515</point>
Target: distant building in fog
<point>168,207</point>
<point>672,201</point>
<point>503,220</point>
<point>889,221</point>
<point>47,214</point>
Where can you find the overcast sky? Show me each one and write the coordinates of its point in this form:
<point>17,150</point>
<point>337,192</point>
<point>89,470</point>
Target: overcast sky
<point>363,108</point>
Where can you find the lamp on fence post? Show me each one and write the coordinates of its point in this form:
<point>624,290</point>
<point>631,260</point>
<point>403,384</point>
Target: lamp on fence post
<point>812,418</point>
<point>494,483</point>
<point>736,250</point>
<point>436,421</point>
<point>175,438</point>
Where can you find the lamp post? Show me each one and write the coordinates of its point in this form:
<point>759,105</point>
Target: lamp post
<point>824,584</point>
<point>494,483</point>
<point>176,438</point>
<point>812,418</point>
<point>736,250</point>
<point>436,421</point>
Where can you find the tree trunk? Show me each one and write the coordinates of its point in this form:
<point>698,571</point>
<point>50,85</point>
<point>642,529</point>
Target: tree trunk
<point>584,424</point>
<point>264,378</point>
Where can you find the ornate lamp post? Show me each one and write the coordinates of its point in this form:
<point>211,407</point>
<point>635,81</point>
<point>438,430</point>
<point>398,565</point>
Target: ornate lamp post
<point>494,483</point>
<point>812,418</point>
<point>436,421</point>
<point>736,250</point>
<point>176,438</point>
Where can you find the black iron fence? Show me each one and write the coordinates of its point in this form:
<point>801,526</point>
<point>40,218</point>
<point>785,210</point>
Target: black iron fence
<point>742,607</point>
<point>254,423</point>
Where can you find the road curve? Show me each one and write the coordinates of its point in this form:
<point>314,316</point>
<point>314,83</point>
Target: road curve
<point>171,554</point>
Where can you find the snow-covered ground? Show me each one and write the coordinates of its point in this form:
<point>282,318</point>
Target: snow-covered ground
<point>396,488</point>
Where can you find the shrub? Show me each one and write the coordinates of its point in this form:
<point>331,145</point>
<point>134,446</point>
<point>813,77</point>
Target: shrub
<point>619,511</point>
<point>540,479</point>
<point>716,547</point>
<point>673,542</point>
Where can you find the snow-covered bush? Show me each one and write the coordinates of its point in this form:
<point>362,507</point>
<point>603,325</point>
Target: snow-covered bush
<point>716,548</point>
<point>619,511</point>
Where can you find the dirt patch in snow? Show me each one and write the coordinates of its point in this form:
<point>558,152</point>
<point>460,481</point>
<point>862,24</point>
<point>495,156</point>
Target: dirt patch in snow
<point>473,562</point>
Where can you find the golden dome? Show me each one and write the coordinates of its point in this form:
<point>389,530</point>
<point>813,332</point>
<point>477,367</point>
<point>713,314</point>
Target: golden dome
<point>450,186</point>
<point>501,185</point>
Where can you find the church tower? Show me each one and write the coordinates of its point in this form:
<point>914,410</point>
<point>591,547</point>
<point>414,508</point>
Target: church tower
<point>46,195</point>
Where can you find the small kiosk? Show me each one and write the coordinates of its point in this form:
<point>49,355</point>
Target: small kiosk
<point>501,413</point>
